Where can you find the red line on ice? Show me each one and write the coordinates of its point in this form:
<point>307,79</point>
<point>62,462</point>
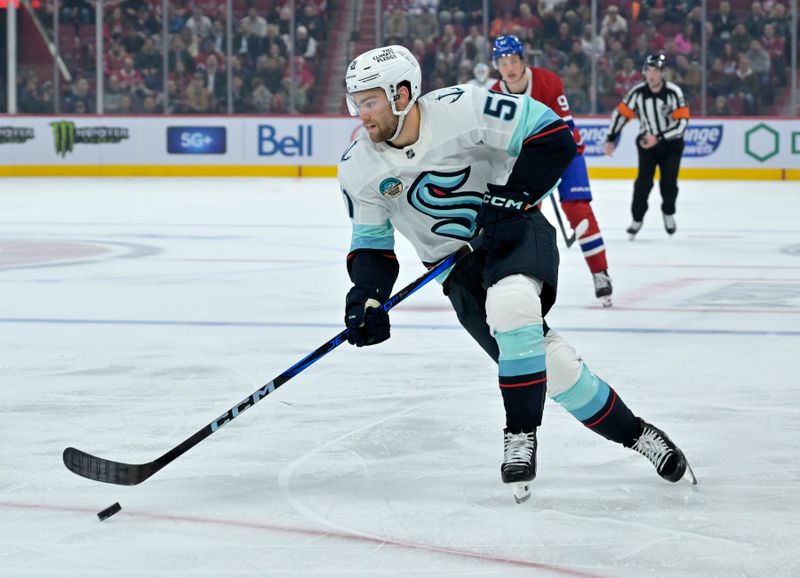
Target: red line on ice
<point>316,533</point>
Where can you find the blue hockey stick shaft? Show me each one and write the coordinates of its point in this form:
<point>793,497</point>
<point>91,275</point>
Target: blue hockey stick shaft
<point>120,473</point>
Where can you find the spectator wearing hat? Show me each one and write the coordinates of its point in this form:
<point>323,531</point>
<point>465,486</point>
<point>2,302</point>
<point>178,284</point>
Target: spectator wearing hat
<point>305,45</point>
<point>614,25</point>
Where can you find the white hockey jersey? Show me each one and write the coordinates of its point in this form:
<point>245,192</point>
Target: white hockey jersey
<point>431,190</point>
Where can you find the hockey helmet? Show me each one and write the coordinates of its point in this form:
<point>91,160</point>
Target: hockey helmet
<point>657,61</point>
<point>506,45</point>
<point>387,68</point>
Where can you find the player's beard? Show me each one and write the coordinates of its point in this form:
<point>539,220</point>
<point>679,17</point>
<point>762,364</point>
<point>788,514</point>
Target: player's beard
<point>386,127</point>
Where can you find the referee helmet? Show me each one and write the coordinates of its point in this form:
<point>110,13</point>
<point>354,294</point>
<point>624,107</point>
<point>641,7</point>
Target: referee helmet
<point>657,61</point>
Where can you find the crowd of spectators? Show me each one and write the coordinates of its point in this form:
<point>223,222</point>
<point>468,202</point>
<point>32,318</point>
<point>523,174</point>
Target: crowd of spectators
<point>197,80</point>
<point>747,56</point>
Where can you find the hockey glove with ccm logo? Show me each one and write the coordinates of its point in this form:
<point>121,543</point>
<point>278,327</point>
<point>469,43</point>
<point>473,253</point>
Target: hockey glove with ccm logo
<point>502,214</point>
<point>364,316</point>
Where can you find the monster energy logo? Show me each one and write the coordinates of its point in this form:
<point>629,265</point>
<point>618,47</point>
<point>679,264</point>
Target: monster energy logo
<point>15,134</point>
<point>66,135</point>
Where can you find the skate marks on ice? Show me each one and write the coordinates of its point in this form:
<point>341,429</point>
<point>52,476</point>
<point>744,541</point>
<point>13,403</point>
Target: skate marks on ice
<point>722,384</point>
<point>310,479</point>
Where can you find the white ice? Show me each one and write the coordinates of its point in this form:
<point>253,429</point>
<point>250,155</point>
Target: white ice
<point>134,312</point>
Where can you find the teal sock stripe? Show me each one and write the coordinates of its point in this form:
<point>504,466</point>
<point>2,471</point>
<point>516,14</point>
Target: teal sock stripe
<point>586,397</point>
<point>521,350</point>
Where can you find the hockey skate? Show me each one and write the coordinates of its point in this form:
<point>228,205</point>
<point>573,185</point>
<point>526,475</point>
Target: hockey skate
<point>519,463</point>
<point>662,452</point>
<point>602,287</point>
<point>633,229</point>
<point>669,224</point>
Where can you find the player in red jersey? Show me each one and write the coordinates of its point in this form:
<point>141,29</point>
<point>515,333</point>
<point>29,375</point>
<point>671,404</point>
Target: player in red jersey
<point>574,191</point>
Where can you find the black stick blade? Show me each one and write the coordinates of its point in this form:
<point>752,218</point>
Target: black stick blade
<point>101,470</point>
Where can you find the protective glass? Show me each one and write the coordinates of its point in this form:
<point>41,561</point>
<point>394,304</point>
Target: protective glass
<point>368,103</point>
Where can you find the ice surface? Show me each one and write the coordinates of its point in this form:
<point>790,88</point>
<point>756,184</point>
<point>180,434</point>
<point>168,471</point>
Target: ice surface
<point>134,312</point>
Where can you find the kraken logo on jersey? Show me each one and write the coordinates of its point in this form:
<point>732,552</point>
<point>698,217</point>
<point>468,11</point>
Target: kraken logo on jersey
<point>436,194</point>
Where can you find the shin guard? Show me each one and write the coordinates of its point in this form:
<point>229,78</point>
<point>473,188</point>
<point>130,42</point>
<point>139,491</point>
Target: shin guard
<point>514,315</point>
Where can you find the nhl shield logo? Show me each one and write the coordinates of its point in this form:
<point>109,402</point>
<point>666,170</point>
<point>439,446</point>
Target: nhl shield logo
<point>391,188</point>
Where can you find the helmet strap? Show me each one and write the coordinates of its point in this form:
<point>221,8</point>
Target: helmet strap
<point>401,114</point>
<point>400,120</point>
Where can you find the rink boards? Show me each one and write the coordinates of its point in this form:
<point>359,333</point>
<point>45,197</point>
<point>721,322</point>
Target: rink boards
<point>311,146</point>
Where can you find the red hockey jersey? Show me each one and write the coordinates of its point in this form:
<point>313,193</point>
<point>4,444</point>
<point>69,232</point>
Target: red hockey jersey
<point>545,86</point>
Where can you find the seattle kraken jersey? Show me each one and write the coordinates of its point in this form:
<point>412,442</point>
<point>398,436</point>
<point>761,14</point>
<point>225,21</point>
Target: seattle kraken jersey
<point>431,190</point>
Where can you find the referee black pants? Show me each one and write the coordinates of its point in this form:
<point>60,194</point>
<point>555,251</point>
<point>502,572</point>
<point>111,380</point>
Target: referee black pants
<point>667,156</point>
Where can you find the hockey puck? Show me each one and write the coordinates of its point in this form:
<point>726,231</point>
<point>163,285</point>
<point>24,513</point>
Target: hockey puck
<point>110,511</point>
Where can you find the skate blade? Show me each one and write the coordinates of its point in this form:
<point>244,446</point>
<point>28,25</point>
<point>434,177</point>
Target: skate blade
<point>631,236</point>
<point>689,476</point>
<point>605,301</point>
<point>521,491</point>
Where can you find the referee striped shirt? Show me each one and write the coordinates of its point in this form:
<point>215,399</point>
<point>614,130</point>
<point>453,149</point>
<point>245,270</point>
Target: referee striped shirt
<point>663,113</point>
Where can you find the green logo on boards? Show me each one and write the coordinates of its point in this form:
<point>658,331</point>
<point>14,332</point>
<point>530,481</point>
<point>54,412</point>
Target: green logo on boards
<point>63,136</point>
<point>66,135</point>
<point>15,134</point>
<point>762,142</point>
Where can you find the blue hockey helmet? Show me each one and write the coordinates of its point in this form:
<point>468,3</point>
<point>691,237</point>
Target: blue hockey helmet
<point>506,45</point>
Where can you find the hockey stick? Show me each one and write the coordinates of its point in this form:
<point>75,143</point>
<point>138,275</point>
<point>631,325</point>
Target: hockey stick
<point>576,234</point>
<point>123,474</point>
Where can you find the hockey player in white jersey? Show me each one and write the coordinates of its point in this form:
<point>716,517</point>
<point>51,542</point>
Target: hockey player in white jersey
<point>438,169</point>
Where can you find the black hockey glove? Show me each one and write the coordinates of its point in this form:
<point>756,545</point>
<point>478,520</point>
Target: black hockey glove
<point>366,319</point>
<point>502,214</point>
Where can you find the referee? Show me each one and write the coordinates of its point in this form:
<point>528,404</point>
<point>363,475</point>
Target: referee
<point>663,118</point>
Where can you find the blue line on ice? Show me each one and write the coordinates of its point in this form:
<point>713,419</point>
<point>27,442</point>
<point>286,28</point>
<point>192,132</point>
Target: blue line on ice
<point>289,325</point>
